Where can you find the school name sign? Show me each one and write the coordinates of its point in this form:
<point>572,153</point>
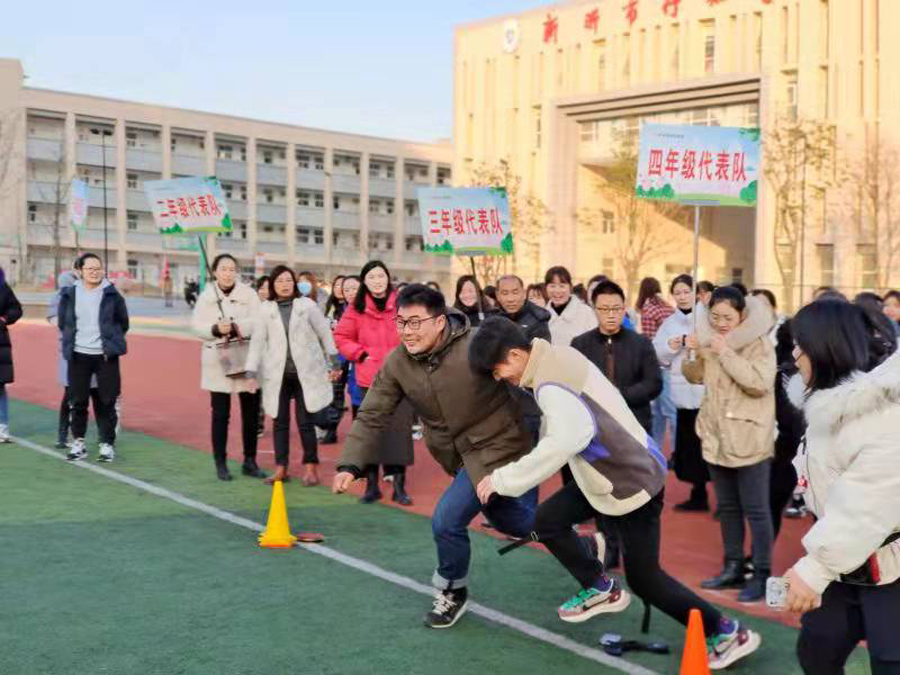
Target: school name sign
<point>465,221</point>
<point>698,163</point>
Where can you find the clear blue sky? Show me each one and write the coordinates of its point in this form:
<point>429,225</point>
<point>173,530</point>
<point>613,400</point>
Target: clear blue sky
<point>373,67</point>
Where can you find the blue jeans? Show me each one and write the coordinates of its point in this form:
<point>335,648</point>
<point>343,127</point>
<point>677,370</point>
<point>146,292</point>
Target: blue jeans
<point>664,411</point>
<point>455,510</point>
<point>4,405</point>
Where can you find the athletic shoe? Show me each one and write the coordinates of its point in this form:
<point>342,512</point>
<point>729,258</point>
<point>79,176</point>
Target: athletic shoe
<point>417,434</point>
<point>448,607</point>
<point>118,407</point>
<point>4,433</point>
<point>77,450</point>
<point>726,649</point>
<point>797,509</point>
<point>107,453</point>
<point>592,601</point>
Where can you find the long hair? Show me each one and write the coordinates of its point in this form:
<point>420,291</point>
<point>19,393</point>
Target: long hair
<point>277,271</point>
<point>650,288</point>
<point>839,338</point>
<point>334,305</point>
<point>468,278</point>
<point>360,303</point>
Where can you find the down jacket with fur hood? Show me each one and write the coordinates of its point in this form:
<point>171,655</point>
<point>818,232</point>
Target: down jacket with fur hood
<point>849,472</point>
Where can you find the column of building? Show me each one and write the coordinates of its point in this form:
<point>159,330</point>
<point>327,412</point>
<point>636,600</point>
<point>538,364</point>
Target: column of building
<point>290,205</point>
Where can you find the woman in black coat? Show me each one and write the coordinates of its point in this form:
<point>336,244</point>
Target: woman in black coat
<point>10,312</point>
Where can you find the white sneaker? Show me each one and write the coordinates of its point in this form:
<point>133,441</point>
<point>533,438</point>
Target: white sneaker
<point>118,407</point>
<point>4,433</point>
<point>107,453</point>
<point>77,450</point>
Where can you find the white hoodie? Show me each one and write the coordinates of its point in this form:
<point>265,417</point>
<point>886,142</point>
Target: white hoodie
<point>849,472</point>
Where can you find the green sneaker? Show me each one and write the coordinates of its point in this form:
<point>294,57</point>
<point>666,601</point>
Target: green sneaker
<point>591,601</point>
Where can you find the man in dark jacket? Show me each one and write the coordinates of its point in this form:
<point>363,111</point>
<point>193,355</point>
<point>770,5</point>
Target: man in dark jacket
<point>535,321</point>
<point>627,359</point>
<point>629,362</point>
<point>93,320</point>
<point>471,425</point>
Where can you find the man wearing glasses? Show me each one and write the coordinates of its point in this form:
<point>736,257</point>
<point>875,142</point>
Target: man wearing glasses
<point>93,320</point>
<point>629,362</point>
<point>472,426</point>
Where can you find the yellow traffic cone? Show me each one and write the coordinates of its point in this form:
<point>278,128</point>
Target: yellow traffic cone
<point>278,532</point>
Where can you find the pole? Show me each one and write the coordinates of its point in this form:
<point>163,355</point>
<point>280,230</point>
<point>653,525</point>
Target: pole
<point>696,260</point>
<point>209,274</point>
<point>105,216</point>
<point>803,227</point>
<point>477,288</point>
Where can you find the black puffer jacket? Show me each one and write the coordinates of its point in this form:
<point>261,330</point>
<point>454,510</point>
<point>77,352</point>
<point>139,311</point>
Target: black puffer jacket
<point>534,320</point>
<point>10,312</point>
<point>637,374</point>
<point>113,321</point>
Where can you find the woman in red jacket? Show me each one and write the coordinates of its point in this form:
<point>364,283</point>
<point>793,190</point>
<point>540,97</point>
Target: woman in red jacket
<point>365,335</point>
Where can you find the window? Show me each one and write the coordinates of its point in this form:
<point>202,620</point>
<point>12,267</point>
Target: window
<point>131,139</point>
<point>243,193</point>
<point>269,195</point>
<point>132,268</point>
<point>374,206</point>
<point>319,236</point>
<point>389,170</point>
<point>224,152</point>
<point>786,258</point>
<point>825,254</point>
<point>132,219</point>
<point>267,156</point>
<point>868,265</point>
<point>537,127</point>
<point>302,198</point>
<point>32,213</point>
<point>608,225</point>
<point>389,205</point>
<point>319,161</point>
<point>268,228</point>
<point>172,143</point>
<point>132,180</point>
<point>303,235</point>
<point>374,170</point>
<point>336,203</point>
<point>443,176</point>
<point>791,95</point>
<point>412,208</point>
<point>320,200</point>
<point>414,243</point>
<point>227,188</point>
<point>707,29</point>
<point>303,160</point>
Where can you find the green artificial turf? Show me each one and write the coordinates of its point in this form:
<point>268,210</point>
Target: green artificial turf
<point>102,577</point>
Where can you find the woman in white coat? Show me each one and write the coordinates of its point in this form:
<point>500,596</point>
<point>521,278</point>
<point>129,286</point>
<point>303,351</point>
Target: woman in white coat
<point>669,342</point>
<point>287,356</point>
<point>236,319</point>
<point>848,583</point>
<point>569,316</point>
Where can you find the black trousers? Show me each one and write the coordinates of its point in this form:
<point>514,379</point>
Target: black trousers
<point>65,412</point>
<point>82,367</point>
<point>399,431</point>
<point>291,390</point>
<point>849,614</point>
<point>639,534</point>
<point>221,414</point>
<point>782,482</point>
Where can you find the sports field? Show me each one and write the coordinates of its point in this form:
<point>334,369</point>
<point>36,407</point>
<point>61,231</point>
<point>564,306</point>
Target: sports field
<point>162,575</point>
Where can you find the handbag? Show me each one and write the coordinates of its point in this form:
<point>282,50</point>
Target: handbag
<point>233,354</point>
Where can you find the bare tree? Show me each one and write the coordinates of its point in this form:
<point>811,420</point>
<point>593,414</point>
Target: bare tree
<point>872,176</point>
<point>799,167</point>
<point>57,193</point>
<point>528,219</point>
<point>640,233</point>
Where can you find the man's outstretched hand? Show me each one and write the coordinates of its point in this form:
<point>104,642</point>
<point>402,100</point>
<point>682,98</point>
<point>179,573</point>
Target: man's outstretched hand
<point>485,489</point>
<point>342,481</point>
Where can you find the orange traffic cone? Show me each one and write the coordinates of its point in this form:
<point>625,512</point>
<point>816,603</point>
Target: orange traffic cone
<point>278,532</point>
<point>694,660</point>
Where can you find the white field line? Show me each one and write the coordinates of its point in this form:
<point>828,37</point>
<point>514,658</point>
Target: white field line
<point>483,611</point>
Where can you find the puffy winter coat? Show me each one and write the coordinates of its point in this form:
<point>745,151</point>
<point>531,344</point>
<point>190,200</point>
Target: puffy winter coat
<point>685,395</point>
<point>576,319</point>
<point>372,332</point>
<point>309,341</point>
<point>241,307</point>
<point>114,320</point>
<point>10,312</point>
<point>736,422</point>
<point>849,471</point>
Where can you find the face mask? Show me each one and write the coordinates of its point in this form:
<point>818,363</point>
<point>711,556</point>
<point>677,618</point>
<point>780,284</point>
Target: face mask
<point>304,287</point>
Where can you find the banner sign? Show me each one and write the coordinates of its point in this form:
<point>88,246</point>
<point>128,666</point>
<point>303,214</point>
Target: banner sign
<point>465,221</point>
<point>188,205</point>
<point>78,203</point>
<point>684,163</point>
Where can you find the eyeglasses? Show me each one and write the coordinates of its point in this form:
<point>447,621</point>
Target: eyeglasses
<point>414,324</point>
<point>91,269</point>
<point>609,310</point>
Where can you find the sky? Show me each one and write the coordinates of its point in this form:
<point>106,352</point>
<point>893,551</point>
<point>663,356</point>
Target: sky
<point>381,68</point>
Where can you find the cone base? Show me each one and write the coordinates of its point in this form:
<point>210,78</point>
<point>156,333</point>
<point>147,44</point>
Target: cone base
<point>277,542</point>
<point>310,537</point>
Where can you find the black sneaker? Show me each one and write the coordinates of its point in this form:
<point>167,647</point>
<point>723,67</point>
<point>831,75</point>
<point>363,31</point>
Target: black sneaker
<point>447,608</point>
<point>250,468</point>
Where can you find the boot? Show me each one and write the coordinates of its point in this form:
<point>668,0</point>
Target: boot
<point>331,436</point>
<point>732,576</point>
<point>755,589</point>
<point>373,492</point>
<point>251,468</point>
<point>222,472</point>
<point>400,495</point>
<point>698,502</point>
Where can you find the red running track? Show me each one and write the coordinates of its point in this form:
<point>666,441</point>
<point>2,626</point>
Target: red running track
<point>162,398</point>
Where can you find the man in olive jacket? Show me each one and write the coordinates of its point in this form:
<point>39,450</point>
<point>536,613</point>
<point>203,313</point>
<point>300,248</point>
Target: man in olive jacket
<point>472,426</point>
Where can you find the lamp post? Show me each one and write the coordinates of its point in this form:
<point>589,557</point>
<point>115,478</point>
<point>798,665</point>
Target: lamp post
<point>103,133</point>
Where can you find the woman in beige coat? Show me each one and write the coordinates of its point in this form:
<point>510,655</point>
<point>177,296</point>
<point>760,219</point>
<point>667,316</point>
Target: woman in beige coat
<point>736,425</point>
<point>239,307</point>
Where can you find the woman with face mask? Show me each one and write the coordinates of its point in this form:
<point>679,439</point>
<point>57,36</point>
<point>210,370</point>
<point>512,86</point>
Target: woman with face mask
<point>736,361</point>
<point>671,350</point>
<point>365,335</point>
<point>236,319</point>
<point>308,287</point>
<point>288,351</point>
